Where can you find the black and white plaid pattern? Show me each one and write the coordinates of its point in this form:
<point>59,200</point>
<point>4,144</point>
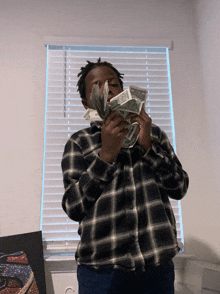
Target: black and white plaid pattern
<point>124,213</point>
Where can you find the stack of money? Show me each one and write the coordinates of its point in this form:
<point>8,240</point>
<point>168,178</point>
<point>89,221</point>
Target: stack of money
<point>130,100</point>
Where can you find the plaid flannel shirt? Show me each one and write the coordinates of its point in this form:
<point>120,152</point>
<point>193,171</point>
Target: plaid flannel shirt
<point>123,209</point>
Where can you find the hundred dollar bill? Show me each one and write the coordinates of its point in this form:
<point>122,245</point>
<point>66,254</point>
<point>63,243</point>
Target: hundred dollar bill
<point>99,102</point>
<point>117,101</point>
<point>132,105</point>
<point>92,115</point>
<point>138,93</point>
<point>131,130</point>
<point>130,100</point>
<point>129,143</point>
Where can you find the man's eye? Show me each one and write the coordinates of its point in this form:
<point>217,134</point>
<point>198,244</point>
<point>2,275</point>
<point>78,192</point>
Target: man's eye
<point>114,85</point>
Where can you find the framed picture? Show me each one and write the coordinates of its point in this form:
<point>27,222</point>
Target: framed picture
<point>22,264</point>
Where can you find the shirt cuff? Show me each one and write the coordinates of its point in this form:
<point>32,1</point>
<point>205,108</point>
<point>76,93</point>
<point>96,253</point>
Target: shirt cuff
<point>153,157</point>
<point>101,169</point>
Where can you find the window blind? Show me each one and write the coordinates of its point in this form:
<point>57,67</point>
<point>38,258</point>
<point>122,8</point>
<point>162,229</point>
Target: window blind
<point>145,67</point>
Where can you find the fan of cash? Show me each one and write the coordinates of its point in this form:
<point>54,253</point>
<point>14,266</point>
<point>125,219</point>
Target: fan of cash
<point>130,100</point>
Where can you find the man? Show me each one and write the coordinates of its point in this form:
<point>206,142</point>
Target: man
<point>119,196</point>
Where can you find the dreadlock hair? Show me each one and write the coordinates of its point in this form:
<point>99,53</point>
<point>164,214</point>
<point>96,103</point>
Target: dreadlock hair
<point>89,66</point>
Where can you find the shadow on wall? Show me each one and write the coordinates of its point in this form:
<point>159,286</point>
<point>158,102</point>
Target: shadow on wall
<point>201,250</point>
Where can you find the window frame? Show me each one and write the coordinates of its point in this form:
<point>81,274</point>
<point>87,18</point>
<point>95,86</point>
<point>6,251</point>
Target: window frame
<point>52,248</point>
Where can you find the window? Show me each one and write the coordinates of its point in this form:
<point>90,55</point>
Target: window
<point>145,67</point>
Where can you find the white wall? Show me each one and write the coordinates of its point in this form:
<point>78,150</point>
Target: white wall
<point>24,24</point>
<point>207,226</point>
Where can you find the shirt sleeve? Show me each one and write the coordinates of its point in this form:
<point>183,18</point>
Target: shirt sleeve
<point>168,169</point>
<point>84,180</point>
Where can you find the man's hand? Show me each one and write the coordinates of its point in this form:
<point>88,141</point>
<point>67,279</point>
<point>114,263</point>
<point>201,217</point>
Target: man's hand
<point>144,121</point>
<point>113,133</point>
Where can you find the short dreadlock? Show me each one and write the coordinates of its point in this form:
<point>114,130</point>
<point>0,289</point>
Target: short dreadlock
<point>85,70</point>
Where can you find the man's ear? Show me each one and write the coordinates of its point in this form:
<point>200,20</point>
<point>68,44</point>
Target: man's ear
<point>85,104</point>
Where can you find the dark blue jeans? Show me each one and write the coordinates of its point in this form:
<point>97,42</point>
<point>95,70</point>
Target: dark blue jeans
<point>159,280</point>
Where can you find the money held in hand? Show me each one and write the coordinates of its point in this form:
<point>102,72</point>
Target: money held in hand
<point>130,100</point>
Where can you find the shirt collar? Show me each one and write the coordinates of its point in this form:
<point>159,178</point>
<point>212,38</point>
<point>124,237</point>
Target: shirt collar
<point>97,124</point>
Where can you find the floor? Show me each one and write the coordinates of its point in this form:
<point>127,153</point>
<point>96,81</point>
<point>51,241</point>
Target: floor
<point>182,289</point>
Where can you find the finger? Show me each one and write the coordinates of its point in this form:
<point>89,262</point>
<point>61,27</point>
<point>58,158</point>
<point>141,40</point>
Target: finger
<point>112,114</point>
<point>123,133</point>
<point>143,113</point>
<point>120,127</point>
<point>115,120</point>
<point>119,121</point>
<point>131,115</point>
<point>137,119</point>
<point>110,117</point>
<point>142,118</point>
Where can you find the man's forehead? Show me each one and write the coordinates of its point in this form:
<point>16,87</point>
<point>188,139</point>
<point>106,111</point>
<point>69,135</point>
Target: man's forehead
<point>100,72</point>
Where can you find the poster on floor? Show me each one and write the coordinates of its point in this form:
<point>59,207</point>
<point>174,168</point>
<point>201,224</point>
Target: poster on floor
<point>22,264</point>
